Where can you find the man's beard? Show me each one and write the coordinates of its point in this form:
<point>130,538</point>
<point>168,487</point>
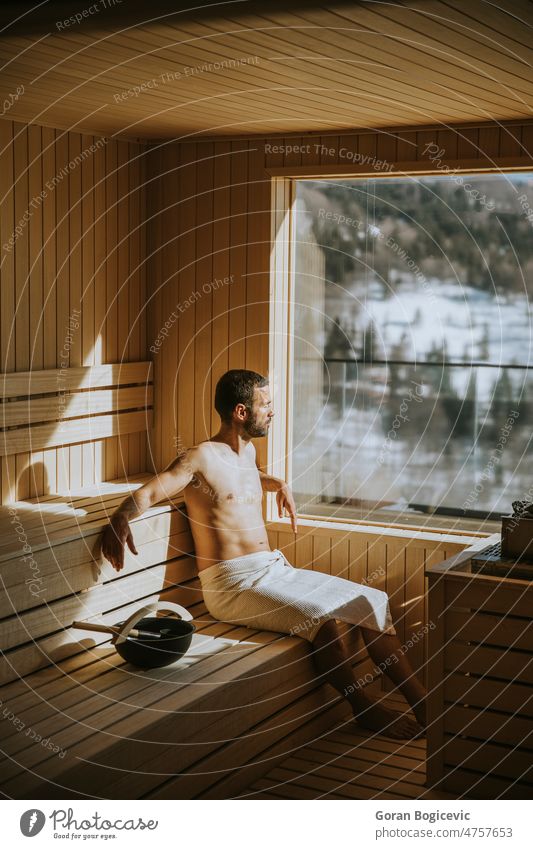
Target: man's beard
<point>252,428</point>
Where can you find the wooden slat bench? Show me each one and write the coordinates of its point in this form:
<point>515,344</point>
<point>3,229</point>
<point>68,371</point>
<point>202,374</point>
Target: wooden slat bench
<point>76,720</point>
<point>239,701</point>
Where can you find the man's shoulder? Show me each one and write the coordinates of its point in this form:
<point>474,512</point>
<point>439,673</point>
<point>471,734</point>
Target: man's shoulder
<point>204,451</point>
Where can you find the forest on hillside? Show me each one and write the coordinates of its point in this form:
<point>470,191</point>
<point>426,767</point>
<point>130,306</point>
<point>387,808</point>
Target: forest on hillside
<point>447,231</point>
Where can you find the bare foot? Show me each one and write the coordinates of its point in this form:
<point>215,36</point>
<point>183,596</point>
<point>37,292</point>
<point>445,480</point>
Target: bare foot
<point>388,722</point>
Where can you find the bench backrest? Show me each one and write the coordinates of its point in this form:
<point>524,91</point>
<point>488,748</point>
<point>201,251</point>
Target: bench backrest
<point>56,407</point>
<point>51,569</point>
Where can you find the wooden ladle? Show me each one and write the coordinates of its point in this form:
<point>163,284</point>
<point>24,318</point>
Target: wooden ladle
<point>112,629</point>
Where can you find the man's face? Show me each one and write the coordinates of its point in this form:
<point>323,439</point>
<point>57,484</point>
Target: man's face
<point>258,422</point>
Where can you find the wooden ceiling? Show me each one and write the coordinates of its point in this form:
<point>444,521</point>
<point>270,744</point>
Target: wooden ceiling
<point>240,68</point>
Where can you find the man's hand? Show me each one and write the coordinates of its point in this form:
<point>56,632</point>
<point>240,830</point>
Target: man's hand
<point>286,504</point>
<point>163,485</point>
<point>115,536</point>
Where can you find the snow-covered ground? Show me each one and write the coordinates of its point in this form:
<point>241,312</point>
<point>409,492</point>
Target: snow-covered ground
<point>356,461</point>
<point>420,464</point>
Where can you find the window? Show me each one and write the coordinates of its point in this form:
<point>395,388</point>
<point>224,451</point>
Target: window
<point>411,346</point>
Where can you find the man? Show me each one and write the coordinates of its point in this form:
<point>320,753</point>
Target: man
<point>244,581</point>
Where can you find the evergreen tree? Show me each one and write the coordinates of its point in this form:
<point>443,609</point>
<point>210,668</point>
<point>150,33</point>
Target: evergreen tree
<point>370,351</point>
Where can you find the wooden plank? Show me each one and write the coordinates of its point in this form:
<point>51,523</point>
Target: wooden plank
<point>322,555</point>
<point>75,378</point>
<point>16,630</point>
<point>62,291</point>
<point>395,586</point>
<point>70,333</point>
<point>56,647</point>
<point>205,283</point>
<point>49,284</point>
<point>371,757</point>
<point>472,785</point>
<point>154,223</point>
<point>96,678</point>
<point>484,660</point>
<point>87,330</point>
<point>488,597</point>
<point>237,243</point>
<point>136,299</point>
<point>434,679</point>
<point>340,557</point>
<point>174,249</point>
<point>171,692</point>
<point>228,786</point>
<point>331,755</point>
<point>512,698</point>
<point>110,347</point>
<point>21,340</point>
<point>505,631</point>
<point>414,607</point>
<point>73,431</point>
<point>65,529</point>
<point>123,281</point>
<point>357,559</point>
<point>488,725</point>
<point>376,564</point>
<point>82,404</point>
<point>221,268</point>
<point>329,780</point>
<point>285,543</point>
<point>7,286</point>
<point>257,266</point>
<point>303,552</point>
<point>80,573</point>
<point>46,545</point>
<point>488,758</point>
<point>68,707</point>
<point>57,507</point>
<point>187,286</point>
<point>378,747</point>
<point>231,736</point>
<point>35,282</point>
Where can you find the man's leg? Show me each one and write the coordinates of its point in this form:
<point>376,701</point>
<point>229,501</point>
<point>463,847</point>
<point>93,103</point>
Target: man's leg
<point>330,659</point>
<point>386,651</point>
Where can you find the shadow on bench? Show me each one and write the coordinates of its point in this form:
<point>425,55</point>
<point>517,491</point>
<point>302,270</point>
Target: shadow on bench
<point>91,725</point>
<point>204,727</point>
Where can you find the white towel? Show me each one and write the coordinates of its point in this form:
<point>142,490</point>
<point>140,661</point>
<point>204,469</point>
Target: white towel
<point>263,590</point>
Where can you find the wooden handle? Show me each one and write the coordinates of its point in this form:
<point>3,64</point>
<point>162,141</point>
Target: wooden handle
<point>113,629</point>
<point>93,626</point>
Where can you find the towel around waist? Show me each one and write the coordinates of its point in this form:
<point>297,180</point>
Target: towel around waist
<point>256,563</point>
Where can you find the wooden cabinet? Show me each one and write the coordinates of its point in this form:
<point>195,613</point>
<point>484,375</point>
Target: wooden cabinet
<point>480,681</point>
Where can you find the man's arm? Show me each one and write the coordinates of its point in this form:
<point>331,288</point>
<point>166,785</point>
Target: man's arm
<point>284,498</point>
<point>163,485</point>
<point>270,483</point>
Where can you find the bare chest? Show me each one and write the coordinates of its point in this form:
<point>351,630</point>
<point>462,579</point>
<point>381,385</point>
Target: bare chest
<point>229,484</point>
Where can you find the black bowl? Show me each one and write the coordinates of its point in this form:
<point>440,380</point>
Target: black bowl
<point>153,653</point>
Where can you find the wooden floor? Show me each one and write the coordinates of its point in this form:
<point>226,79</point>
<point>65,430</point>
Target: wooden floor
<point>351,763</point>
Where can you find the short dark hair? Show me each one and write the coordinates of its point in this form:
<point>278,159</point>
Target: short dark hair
<point>236,387</point>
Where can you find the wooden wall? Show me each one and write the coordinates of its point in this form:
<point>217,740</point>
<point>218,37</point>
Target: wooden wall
<point>195,296</point>
<point>210,218</point>
<point>209,240</point>
<point>72,283</point>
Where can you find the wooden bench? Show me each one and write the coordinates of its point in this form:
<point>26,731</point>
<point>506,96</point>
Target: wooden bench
<point>47,558</point>
<point>90,725</point>
<point>77,721</point>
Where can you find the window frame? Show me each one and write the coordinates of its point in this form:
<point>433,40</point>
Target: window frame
<point>281,323</point>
